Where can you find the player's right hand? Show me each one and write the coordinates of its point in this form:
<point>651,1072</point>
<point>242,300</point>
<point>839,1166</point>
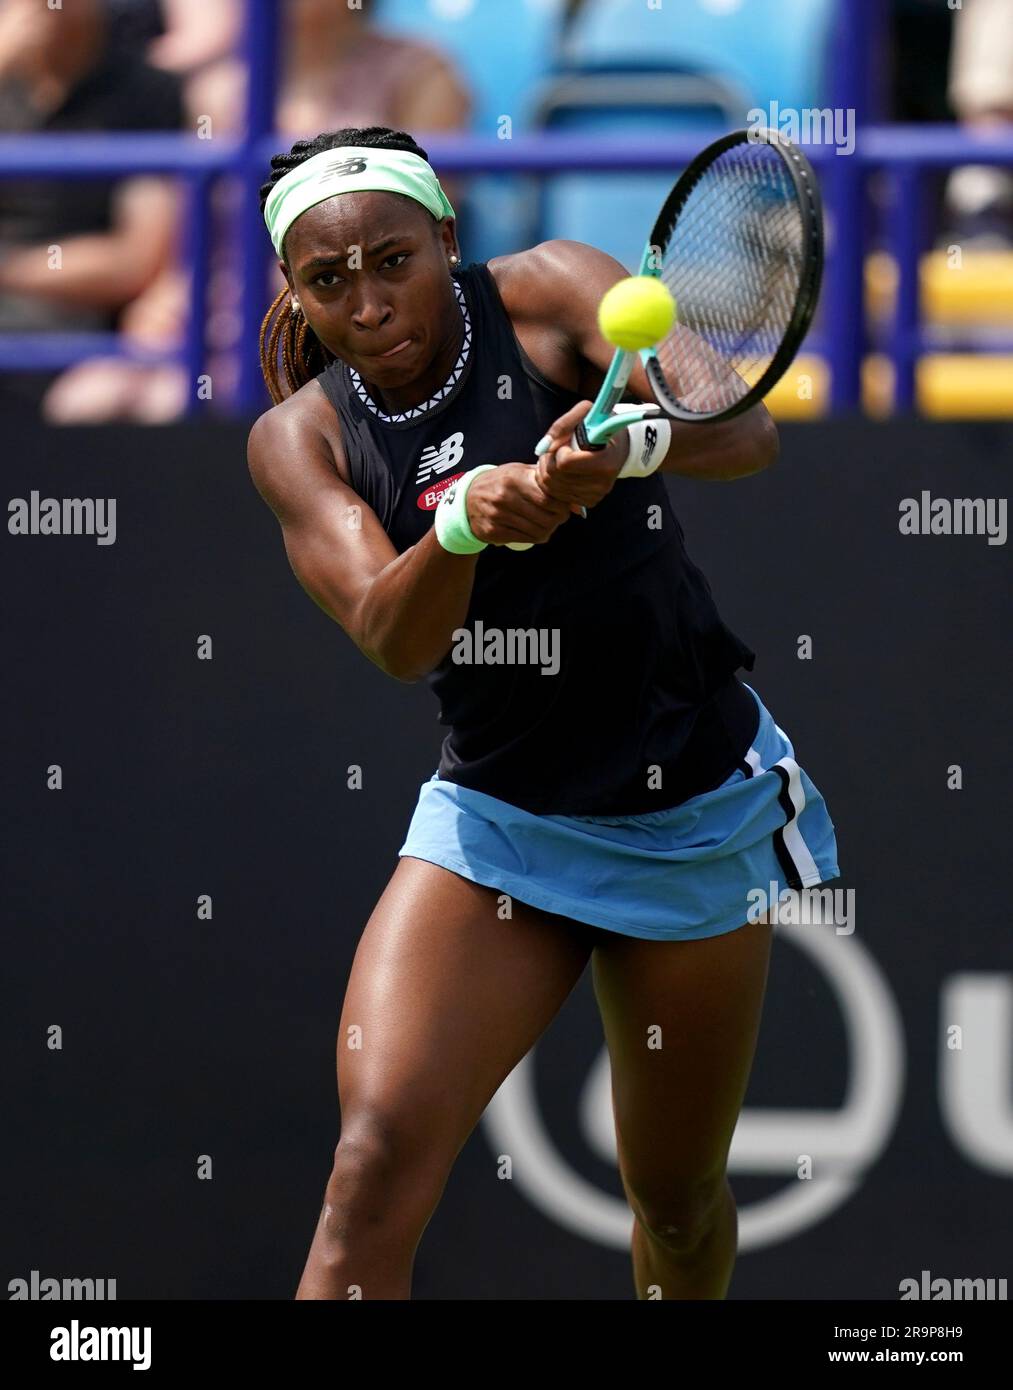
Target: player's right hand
<point>508,504</point>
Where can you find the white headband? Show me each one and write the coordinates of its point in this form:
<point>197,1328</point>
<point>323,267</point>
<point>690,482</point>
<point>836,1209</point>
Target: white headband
<point>351,169</point>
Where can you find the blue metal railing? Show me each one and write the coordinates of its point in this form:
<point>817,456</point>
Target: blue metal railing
<point>905,153</point>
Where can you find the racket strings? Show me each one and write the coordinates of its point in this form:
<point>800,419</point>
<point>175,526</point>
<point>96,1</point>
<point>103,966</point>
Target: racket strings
<point>734,262</point>
<point>732,292</point>
<point>756,196</point>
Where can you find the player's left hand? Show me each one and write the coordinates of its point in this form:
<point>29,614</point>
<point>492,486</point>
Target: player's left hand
<point>580,477</point>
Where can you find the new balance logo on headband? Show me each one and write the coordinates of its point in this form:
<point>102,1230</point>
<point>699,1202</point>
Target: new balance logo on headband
<point>355,165</point>
<point>437,458</point>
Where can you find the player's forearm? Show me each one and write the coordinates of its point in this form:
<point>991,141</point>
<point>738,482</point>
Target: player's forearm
<point>718,453</point>
<point>413,607</point>
<point>91,271</point>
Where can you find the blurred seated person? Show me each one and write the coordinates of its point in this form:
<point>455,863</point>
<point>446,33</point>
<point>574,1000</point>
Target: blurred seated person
<point>981,93</point>
<point>335,64</point>
<point>196,33</point>
<point>64,69</point>
<point>336,70</point>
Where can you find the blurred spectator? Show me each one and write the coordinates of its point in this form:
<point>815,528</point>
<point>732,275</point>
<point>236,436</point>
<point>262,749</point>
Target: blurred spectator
<point>66,69</point>
<point>197,32</point>
<point>133,24</point>
<point>336,70</point>
<point>981,93</point>
<point>334,61</point>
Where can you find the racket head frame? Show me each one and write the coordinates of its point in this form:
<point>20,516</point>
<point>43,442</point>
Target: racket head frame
<point>599,425</point>
<point>810,204</point>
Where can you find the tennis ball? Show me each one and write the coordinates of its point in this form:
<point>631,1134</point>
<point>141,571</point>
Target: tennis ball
<point>636,313</point>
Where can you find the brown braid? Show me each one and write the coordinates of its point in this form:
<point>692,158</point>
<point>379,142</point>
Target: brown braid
<point>303,355</point>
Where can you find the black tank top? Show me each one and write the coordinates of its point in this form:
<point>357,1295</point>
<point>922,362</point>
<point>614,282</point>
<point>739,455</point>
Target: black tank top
<point>600,677</point>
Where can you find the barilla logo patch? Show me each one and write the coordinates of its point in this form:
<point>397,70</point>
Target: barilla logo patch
<point>429,500</point>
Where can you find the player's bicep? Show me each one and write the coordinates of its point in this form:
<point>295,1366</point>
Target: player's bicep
<point>583,276</point>
<point>334,541</point>
<point>577,277</point>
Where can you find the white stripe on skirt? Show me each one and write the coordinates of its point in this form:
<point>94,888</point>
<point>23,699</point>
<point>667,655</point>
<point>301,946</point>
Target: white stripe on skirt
<point>793,841</point>
<point>796,846</point>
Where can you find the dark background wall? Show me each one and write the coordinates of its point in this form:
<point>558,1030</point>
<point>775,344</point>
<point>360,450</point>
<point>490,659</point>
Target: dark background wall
<point>227,777</point>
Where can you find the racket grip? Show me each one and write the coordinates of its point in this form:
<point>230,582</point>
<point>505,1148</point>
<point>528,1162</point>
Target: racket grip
<point>542,447</point>
<point>581,440</point>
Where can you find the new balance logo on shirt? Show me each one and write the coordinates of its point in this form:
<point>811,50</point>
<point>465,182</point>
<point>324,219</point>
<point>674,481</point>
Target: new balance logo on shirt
<point>437,458</point>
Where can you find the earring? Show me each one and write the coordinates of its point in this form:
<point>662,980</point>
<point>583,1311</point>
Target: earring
<point>454,260</point>
<point>296,307</point>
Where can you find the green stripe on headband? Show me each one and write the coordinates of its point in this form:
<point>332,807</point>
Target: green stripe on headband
<point>351,169</point>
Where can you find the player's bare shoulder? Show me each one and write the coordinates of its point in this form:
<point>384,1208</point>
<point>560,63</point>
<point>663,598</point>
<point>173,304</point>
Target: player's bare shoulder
<point>535,282</point>
<point>541,293</point>
<point>293,440</point>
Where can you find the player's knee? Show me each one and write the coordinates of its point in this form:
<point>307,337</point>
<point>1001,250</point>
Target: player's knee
<point>680,1215</point>
<point>382,1175</point>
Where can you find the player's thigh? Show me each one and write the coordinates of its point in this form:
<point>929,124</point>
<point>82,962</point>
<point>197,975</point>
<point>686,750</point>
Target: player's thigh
<point>446,995</point>
<point>681,1020</point>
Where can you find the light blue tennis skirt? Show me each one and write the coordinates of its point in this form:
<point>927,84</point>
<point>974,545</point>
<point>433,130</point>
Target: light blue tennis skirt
<point>692,871</point>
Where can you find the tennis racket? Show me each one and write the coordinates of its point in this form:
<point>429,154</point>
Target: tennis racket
<point>739,244</point>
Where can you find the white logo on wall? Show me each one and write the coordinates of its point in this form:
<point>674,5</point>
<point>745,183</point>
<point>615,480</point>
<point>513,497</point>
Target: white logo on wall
<point>437,458</point>
<point>974,1078</point>
<point>844,1143</point>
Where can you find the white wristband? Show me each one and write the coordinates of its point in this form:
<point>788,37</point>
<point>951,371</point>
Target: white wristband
<point>649,443</point>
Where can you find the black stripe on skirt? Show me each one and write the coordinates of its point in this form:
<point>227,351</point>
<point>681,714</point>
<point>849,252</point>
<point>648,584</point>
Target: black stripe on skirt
<point>788,866</point>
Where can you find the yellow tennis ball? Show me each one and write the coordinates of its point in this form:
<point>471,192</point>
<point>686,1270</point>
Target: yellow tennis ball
<point>636,313</point>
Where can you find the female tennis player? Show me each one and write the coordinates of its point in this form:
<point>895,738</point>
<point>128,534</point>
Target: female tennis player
<point>608,788</point>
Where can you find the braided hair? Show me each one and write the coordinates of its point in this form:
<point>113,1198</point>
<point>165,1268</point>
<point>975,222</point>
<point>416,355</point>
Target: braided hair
<point>303,355</point>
